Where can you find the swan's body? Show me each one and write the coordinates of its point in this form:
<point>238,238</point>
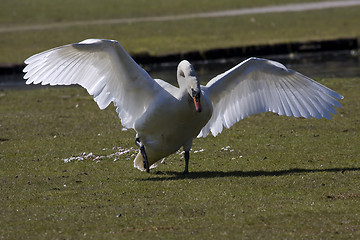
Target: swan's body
<point>170,122</point>
<point>166,117</point>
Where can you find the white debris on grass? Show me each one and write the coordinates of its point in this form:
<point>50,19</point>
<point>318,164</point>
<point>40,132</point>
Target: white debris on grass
<point>127,153</point>
<point>227,148</point>
<point>181,153</point>
<point>197,151</point>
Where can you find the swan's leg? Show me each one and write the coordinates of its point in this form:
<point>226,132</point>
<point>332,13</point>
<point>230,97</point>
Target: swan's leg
<point>187,156</point>
<point>143,153</point>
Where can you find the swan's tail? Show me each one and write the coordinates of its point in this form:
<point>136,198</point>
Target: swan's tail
<point>139,162</point>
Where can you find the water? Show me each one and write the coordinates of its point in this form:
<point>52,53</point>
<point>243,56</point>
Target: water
<point>342,64</point>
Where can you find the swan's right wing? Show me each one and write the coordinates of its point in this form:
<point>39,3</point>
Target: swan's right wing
<point>260,85</point>
<point>104,68</point>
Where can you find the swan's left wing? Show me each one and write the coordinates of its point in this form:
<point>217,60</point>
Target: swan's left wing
<point>260,85</point>
<point>104,68</point>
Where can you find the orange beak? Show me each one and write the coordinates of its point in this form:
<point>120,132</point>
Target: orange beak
<point>197,104</point>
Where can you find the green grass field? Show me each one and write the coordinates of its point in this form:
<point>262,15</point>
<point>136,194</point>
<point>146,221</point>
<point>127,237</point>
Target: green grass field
<point>166,37</point>
<point>267,177</point>
<point>23,12</point>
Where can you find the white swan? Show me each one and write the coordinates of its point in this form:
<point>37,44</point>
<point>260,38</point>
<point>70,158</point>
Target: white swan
<point>166,117</point>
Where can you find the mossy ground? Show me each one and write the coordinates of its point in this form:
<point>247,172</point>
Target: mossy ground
<point>267,177</point>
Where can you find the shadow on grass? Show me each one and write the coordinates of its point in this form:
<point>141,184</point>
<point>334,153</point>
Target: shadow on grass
<point>170,175</point>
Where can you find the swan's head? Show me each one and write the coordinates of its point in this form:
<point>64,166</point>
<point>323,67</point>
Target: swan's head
<point>188,80</point>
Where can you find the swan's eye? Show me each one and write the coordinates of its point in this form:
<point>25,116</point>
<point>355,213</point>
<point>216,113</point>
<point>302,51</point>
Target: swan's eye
<point>182,74</point>
<point>195,93</point>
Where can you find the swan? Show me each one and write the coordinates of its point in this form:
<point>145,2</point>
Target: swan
<point>167,117</point>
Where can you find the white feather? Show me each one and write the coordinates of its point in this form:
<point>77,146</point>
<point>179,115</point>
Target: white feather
<point>102,67</point>
<point>259,85</point>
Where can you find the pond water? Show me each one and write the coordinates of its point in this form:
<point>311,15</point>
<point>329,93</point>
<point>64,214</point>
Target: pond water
<point>344,64</point>
<point>320,65</point>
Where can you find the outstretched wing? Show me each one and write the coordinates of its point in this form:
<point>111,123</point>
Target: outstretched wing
<point>104,68</point>
<point>260,85</point>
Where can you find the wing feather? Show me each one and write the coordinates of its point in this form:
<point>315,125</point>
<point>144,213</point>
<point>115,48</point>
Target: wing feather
<point>259,85</point>
<point>104,68</point>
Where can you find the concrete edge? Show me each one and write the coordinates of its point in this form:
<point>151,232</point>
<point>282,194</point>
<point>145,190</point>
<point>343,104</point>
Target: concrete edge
<point>227,53</point>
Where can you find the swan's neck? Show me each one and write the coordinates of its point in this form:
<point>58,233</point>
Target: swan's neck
<point>182,83</point>
<point>187,79</point>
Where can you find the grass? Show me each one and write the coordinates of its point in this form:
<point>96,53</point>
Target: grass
<point>268,177</point>
<point>279,178</point>
<point>186,35</point>
<point>22,12</point>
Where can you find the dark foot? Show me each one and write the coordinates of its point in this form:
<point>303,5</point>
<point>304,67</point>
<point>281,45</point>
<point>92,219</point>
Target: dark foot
<point>146,162</point>
<point>143,153</point>
<point>187,156</point>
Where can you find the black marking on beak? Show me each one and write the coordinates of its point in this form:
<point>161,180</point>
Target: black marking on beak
<point>196,97</point>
